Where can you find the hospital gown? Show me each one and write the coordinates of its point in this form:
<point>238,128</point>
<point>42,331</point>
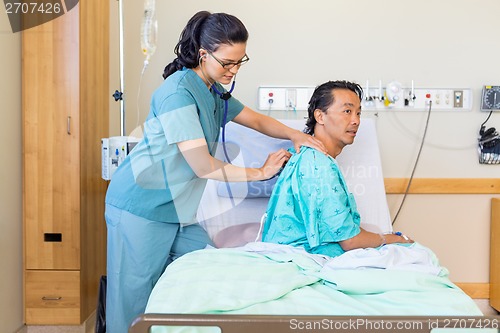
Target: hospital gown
<point>311,206</point>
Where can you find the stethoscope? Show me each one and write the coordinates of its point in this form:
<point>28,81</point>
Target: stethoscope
<point>225,96</point>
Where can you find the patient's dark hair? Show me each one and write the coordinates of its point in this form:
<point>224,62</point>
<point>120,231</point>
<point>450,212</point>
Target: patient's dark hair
<point>208,31</point>
<point>322,98</point>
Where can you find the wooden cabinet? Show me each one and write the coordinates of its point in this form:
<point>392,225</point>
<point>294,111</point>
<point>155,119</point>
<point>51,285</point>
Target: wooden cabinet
<point>495,254</point>
<point>65,96</point>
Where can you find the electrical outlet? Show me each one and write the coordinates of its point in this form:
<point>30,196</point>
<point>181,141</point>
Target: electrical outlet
<point>458,98</point>
<point>291,98</point>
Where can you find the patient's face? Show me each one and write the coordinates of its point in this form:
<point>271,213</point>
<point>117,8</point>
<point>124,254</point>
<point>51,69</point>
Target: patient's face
<point>342,118</point>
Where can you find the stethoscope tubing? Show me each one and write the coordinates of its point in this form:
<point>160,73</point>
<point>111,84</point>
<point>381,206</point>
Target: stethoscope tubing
<point>224,96</point>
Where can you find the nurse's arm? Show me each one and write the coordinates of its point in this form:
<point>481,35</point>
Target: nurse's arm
<point>276,129</point>
<point>206,166</point>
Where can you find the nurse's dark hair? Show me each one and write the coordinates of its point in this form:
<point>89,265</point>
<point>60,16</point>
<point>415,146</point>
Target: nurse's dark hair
<point>322,98</point>
<point>208,31</point>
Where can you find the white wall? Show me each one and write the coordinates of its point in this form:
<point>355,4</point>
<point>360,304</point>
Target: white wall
<point>11,312</point>
<point>438,44</point>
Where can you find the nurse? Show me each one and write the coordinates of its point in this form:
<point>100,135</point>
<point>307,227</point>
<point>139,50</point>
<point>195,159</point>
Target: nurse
<point>311,206</point>
<point>153,197</point>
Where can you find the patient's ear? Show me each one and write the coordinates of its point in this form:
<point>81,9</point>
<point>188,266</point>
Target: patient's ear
<point>318,115</point>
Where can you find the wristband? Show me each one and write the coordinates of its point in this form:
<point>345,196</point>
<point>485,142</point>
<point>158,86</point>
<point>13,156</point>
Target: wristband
<point>398,233</point>
<point>382,239</point>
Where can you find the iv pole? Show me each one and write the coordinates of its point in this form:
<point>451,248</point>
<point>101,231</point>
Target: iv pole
<point>148,32</point>
<point>118,95</point>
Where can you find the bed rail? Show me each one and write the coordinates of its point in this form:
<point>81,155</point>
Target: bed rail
<point>288,324</point>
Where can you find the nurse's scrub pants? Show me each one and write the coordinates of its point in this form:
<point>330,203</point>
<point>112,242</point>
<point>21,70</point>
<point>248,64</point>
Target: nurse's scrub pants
<point>138,252</point>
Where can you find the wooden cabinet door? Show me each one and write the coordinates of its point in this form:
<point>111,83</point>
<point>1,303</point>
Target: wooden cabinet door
<point>51,181</point>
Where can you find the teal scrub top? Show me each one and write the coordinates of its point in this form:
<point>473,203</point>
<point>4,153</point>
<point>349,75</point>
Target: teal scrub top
<point>155,181</point>
<point>310,205</point>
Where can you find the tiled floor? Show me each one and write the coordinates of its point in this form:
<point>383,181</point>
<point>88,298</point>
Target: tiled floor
<point>485,307</point>
<point>87,327</point>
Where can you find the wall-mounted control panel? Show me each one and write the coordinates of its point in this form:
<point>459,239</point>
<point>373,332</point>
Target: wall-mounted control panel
<point>393,97</point>
<point>419,99</point>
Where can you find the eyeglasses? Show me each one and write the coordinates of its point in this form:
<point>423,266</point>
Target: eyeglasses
<point>229,65</point>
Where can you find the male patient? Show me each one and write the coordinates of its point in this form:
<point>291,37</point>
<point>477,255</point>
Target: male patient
<point>311,206</point>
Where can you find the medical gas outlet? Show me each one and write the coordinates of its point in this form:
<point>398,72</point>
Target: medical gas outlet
<point>284,98</point>
<point>394,96</point>
<point>399,98</point>
<point>420,99</point>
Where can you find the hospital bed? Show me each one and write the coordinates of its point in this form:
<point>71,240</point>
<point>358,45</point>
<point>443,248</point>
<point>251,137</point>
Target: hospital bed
<point>244,282</point>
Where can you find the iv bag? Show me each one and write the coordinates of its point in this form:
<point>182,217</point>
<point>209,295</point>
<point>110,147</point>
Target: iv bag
<point>148,29</point>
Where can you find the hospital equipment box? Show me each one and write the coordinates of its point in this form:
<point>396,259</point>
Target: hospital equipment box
<point>113,151</point>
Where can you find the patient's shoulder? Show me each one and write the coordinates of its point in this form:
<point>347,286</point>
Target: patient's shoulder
<point>310,158</point>
<point>313,155</point>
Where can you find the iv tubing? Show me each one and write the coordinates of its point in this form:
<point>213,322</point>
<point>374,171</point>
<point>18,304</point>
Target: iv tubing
<point>138,97</point>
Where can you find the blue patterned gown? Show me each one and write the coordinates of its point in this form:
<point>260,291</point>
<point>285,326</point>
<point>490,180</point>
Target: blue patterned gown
<point>311,206</point>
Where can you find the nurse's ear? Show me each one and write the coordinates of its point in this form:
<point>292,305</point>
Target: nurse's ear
<point>203,53</point>
<point>318,115</point>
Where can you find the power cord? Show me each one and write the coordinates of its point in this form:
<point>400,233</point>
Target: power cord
<point>416,163</point>
<point>481,131</point>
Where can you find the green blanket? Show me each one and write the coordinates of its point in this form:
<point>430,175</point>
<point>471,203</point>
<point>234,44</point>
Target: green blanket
<point>232,281</point>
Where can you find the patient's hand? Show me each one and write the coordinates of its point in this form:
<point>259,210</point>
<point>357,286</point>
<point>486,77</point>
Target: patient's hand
<point>398,237</point>
<point>367,239</point>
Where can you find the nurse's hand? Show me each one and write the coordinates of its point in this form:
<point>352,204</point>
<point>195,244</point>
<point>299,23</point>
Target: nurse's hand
<point>302,139</point>
<point>275,161</point>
